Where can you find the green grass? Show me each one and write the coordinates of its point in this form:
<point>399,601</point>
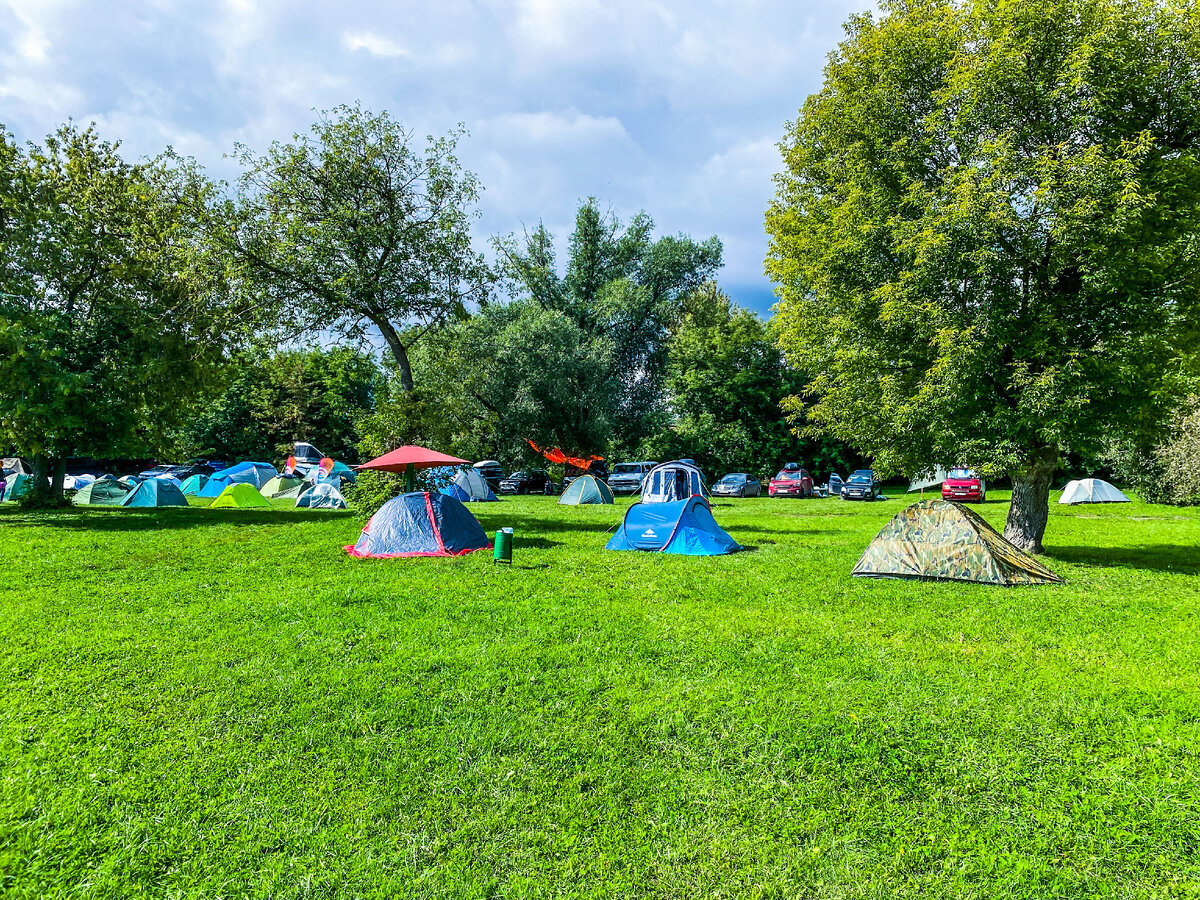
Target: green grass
<point>208,703</point>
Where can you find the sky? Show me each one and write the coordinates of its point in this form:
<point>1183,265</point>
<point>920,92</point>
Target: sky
<point>672,107</point>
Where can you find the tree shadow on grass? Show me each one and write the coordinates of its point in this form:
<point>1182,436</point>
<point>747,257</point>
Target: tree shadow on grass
<point>1183,559</point>
<point>492,521</point>
<point>119,519</point>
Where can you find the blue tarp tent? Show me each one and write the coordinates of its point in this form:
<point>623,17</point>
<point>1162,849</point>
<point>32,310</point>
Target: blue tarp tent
<point>420,524</point>
<point>686,527</point>
<point>468,485</point>
<point>155,492</point>
<point>255,473</point>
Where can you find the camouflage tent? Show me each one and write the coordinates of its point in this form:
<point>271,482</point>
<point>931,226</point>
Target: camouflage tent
<point>937,540</point>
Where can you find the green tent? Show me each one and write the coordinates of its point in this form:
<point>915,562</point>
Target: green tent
<point>194,485</point>
<point>241,496</point>
<point>155,492</point>
<point>939,540</point>
<point>279,484</point>
<point>293,492</point>
<point>102,492</point>
<point>18,486</point>
<point>586,489</point>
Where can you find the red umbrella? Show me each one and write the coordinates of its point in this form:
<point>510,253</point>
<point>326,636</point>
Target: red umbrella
<point>409,458</point>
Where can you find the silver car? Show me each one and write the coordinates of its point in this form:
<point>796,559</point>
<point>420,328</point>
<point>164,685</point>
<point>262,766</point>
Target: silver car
<point>737,484</point>
<point>626,477</point>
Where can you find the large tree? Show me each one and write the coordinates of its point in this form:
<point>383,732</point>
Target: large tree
<point>115,312</point>
<point>623,289</point>
<point>354,228</point>
<point>985,233</point>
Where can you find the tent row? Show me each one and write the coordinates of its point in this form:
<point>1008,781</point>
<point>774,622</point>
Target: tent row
<point>160,492</point>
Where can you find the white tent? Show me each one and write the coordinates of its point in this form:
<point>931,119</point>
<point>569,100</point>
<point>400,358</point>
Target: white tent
<point>323,496</point>
<point>472,485</point>
<point>171,478</point>
<point>77,482</point>
<point>670,481</point>
<point>930,478</point>
<point>1091,490</point>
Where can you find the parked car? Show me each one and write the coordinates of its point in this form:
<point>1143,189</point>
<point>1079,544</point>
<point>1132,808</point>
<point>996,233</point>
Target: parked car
<point>737,484</point>
<point>791,481</point>
<point>962,484</point>
<point>492,472</point>
<point>626,478</point>
<point>862,485</point>
<point>527,481</point>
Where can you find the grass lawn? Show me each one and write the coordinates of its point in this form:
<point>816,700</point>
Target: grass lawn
<point>221,703</point>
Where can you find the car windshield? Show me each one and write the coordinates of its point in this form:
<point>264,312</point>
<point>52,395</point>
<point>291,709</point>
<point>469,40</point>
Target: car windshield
<point>860,478</point>
<point>788,476</point>
<point>521,474</point>
<point>627,470</point>
<point>733,479</point>
<point>960,473</point>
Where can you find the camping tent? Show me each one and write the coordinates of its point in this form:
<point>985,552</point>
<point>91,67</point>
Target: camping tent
<point>194,485</point>
<point>130,481</point>
<point>170,479</point>
<point>322,496</point>
<point>686,527</point>
<point>14,465</point>
<point>240,496</point>
<point>252,473</point>
<point>102,492</point>
<point>586,489</point>
<point>939,540</point>
<point>671,481</point>
<point>293,492</point>
<point>19,485</point>
<point>339,473</point>
<point>468,485</point>
<point>155,492</point>
<point>930,478</point>
<point>420,524</point>
<point>279,484</point>
<point>1091,490</point>
<point>77,482</point>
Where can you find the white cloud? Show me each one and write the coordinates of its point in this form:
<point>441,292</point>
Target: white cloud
<point>375,44</point>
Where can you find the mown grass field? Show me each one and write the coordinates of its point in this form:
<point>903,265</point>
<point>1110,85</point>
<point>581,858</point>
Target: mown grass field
<point>203,703</point>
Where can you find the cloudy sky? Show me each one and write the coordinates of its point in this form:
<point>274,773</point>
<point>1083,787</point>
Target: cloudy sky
<point>674,107</point>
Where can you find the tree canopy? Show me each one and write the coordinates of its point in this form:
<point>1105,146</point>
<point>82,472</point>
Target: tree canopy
<point>984,233</point>
<point>352,228</point>
<point>115,310</point>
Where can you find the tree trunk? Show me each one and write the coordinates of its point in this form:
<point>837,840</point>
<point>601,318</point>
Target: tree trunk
<point>40,495</point>
<point>57,479</point>
<point>1030,507</point>
<point>399,353</point>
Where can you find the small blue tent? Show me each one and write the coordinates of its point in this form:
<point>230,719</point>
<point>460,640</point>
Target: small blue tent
<point>686,527</point>
<point>420,524</point>
<point>255,473</point>
<point>155,492</point>
<point>193,485</point>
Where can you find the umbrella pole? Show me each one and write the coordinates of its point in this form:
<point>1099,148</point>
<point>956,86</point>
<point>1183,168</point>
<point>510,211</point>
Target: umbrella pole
<point>409,481</point>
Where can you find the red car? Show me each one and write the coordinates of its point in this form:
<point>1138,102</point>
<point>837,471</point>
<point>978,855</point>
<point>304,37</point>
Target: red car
<point>793,481</point>
<point>964,485</point>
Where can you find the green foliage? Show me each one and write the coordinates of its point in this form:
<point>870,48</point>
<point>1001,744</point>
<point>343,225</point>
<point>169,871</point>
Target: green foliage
<point>272,402</point>
<point>1170,471</point>
<point>726,378</point>
<point>984,235</point>
<point>220,703</point>
<point>621,294</point>
<point>351,228</point>
<point>115,311</point>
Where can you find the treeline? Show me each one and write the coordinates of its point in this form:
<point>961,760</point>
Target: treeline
<point>333,294</point>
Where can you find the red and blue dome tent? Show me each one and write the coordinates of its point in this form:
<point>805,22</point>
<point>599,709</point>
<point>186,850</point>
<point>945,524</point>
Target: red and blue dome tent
<point>686,527</point>
<point>420,524</point>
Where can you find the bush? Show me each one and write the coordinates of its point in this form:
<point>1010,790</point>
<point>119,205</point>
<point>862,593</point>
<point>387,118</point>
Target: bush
<point>1170,472</point>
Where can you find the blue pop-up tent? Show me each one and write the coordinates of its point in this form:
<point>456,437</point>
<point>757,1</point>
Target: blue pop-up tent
<point>420,524</point>
<point>686,527</point>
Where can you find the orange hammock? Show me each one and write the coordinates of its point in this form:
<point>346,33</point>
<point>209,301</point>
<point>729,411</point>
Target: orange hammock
<point>557,456</point>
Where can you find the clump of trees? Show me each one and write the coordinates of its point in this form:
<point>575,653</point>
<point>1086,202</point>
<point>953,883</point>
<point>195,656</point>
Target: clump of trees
<point>116,309</point>
<point>984,235</point>
<point>1170,471</point>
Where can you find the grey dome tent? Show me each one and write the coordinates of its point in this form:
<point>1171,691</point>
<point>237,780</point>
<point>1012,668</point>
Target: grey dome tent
<point>1091,490</point>
<point>586,489</point>
<point>469,485</point>
<point>102,492</point>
